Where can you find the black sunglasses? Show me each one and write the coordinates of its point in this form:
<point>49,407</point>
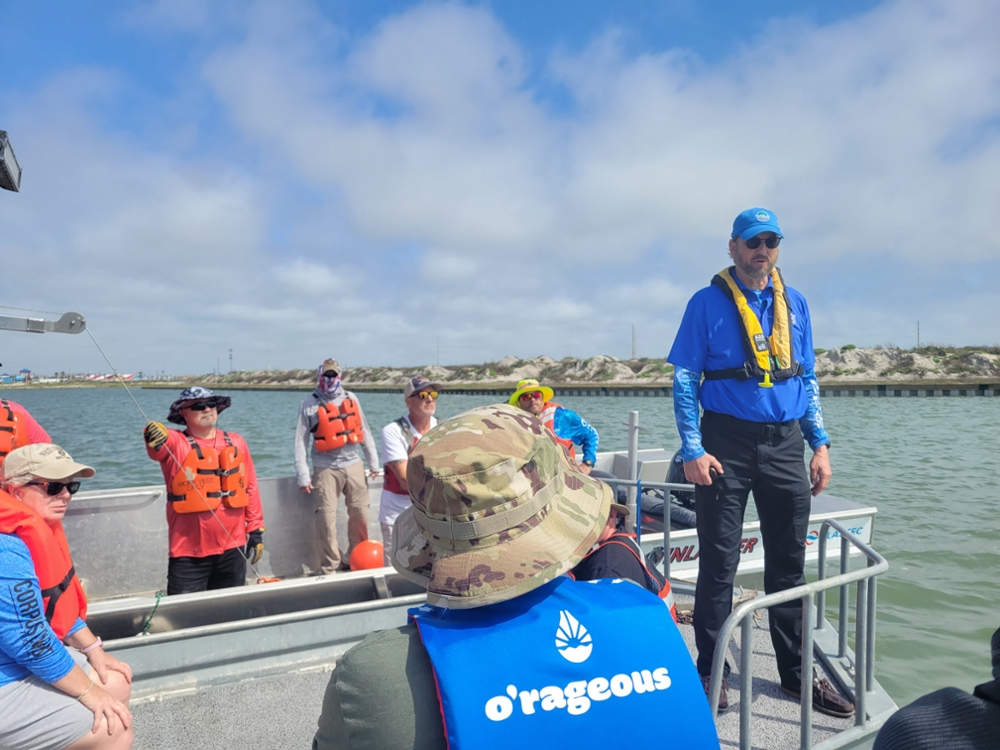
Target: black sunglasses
<point>54,488</point>
<point>203,405</point>
<point>754,242</point>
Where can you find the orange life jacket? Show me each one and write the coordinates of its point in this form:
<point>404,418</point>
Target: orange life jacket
<point>208,478</point>
<point>548,417</point>
<point>13,430</point>
<point>338,427</point>
<point>391,481</point>
<point>655,580</point>
<point>62,594</point>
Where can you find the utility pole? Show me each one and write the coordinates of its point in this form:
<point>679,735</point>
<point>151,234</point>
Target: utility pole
<point>918,334</point>
<point>269,359</point>
<point>438,351</point>
<point>633,341</point>
<point>230,360</point>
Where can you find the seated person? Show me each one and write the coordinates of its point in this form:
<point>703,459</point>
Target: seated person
<point>498,658</point>
<point>618,555</point>
<point>949,717</point>
<point>53,695</point>
<point>17,428</point>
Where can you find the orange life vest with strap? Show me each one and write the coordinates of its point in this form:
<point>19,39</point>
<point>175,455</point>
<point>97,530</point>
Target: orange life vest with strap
<point>13,430</point>
<point>338,426</point>
<point>655,580</point>
<point>208,478</point>
<point>391,481</point>
<point>62,594</point>
<point>548,417</point>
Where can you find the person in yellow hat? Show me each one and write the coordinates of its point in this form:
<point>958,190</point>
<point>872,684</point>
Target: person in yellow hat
<point>568,427</point>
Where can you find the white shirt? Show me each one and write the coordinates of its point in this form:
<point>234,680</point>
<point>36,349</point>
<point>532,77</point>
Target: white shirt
<point>396,448</point>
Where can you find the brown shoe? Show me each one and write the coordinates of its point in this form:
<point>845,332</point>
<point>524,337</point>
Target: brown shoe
<point>723,693</point>
<point>826,699</point>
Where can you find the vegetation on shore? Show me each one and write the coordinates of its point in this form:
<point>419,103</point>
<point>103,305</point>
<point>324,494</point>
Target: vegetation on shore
<point>845,364</point>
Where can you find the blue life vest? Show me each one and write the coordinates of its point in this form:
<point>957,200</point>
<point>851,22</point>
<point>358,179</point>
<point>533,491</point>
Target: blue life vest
<point>570,664</point>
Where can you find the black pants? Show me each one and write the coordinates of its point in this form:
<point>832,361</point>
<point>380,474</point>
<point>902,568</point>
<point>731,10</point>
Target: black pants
<point>187,574</point>
<point>770,460</point>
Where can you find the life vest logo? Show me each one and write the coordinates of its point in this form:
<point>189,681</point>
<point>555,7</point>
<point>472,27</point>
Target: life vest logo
<point>759,342</point>
<point>762,216</point>
<point>572,639</point>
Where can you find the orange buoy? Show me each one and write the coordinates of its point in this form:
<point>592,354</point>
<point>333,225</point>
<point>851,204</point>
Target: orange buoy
<point>367,555</point>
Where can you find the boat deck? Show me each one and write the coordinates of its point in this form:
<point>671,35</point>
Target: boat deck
<point>280,711</point>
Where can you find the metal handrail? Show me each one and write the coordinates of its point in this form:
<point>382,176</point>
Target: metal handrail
<point>640,485</point>
<point>864,647</point>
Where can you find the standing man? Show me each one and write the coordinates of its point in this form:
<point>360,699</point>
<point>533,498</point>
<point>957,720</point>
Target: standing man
<point>751,338</point>
<point>567,426</point>
<point>334,418</point>
<point>398,439</point>
<point>18,428</point>
<point>214,515</point>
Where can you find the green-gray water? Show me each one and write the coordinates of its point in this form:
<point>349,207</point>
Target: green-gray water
<point>929,465</point>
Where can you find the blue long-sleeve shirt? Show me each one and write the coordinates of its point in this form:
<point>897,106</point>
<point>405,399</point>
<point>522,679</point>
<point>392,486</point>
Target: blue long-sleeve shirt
<point>27,644</point>
<point>569,425</point>
<point>686,390</point>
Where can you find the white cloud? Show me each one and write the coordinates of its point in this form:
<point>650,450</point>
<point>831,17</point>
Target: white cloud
<point>417,183</point>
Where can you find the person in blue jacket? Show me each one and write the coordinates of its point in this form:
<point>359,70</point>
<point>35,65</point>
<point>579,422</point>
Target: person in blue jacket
<point>58,687</point>
<point>568,427</point>
<point>750,337</point>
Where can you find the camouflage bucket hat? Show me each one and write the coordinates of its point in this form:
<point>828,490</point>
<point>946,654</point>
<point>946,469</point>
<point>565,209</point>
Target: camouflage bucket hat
<point>498,509</point>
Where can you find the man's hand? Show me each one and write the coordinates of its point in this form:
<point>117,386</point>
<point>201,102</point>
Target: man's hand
<point>155,435</point>
<point>819,470</point>
<point>699,471</point>
<point>307,488</point>
<point>373,473</point>
<point>255,546</point>
<point>583,468</point>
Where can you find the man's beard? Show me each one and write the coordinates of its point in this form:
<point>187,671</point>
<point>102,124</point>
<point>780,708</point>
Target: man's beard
<point>757,272</point>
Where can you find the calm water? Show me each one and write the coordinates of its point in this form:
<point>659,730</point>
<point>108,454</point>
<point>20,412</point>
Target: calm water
<point>929,465</point>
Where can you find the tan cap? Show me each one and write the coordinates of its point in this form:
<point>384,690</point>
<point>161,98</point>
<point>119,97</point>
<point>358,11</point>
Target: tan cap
<point>42,460</point>
<point>622,509</point>
<point>329,364</point>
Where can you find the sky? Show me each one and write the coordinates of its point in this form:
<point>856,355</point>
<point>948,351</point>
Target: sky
<point>401,183</point>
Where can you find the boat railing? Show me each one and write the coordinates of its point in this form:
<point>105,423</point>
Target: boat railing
<point>813,596</point>
<point>636,508</point>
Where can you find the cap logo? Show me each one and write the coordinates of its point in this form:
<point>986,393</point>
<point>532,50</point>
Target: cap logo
<point>762,216</point>
<point>572,639</point>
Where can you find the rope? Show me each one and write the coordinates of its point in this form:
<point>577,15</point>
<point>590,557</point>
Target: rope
<point>28,309</point>
<point>170,453</point>
<point>149,620</point>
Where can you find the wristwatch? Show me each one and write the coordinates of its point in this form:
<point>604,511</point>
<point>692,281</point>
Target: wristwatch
<point>587,462</point>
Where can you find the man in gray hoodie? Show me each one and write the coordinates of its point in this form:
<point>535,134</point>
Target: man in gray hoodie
<point>334,418</point>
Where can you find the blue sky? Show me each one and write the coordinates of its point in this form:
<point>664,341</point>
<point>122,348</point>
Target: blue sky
<point>368,180</point>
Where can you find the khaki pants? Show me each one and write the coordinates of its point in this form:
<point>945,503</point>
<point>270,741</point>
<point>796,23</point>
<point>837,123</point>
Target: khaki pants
<point>329,485</point>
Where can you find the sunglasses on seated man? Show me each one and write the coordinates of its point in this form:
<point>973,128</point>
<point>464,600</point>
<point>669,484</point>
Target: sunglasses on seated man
<point>754,242</point>
<point>202,405</point>
<point>54,488</point>
<point>529,396</point>
<point>425,395</point>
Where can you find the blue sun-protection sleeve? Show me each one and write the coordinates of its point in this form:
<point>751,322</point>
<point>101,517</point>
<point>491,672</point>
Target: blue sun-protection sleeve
<point>27,644</point>
<point>686,385</point>
<point>569,425</point>
<point>812,422</point>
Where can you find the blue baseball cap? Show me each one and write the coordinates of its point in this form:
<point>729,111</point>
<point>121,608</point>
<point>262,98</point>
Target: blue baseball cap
<point>753,221</point>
